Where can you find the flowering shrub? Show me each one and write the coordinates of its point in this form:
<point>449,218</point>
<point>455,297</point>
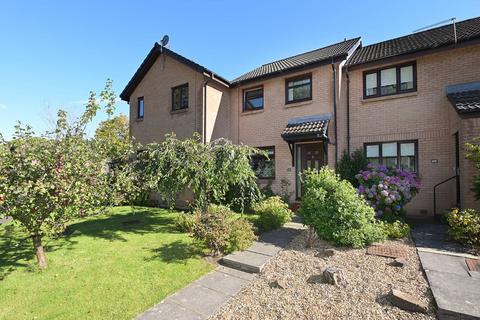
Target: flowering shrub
<point>387,190</point>
<point>465,226</point>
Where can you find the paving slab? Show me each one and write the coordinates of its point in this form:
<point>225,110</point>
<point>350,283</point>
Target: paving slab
<point>202,297</point>
<point>169,310</point>
<point>268,245</point>
<point>456,290</point>
<point>455,295</point>
<point>264,248</point>
<point>246,261</point>
<point>444,263</point>
<point>222,282</point>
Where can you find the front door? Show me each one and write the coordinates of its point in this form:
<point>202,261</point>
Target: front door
<point>309,156</point>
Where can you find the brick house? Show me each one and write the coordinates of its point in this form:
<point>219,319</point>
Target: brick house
<point>408,102</point>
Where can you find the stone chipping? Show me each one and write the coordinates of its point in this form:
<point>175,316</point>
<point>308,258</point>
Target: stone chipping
<point>368,281</point>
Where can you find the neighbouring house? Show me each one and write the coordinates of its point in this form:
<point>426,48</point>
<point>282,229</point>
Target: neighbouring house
<point>410,102</point>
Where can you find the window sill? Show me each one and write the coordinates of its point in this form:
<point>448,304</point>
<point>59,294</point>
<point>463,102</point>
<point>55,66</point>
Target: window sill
<point>393,96</point>
<point>178,111</point>
<point>298,104</point>
<point>249,112</point>
<point>139,120</point>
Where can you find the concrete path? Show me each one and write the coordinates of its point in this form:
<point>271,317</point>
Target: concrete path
<point>203,297</point>
<point>455,288</point>
<point>268,245</point>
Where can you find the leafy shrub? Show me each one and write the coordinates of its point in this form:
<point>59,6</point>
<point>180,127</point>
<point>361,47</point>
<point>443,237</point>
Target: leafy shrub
<point>387,190</point>
<point>465,226</point>
<point>284,190</point>
<point>240,197</point>
<point>241,235</point>
<point>273,213</point>
<point>221,231</point>
<point>184,222</point>
<point>396,229</point>
<point>336,212</point>
<point>473,154</point>
<point>350,165</point>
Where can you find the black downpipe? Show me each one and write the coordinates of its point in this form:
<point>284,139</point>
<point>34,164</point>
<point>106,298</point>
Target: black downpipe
<point>335,110</point>
<point>348,111</point>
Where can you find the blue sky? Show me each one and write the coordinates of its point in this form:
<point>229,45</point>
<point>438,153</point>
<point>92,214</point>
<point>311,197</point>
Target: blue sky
<point>52,53</point>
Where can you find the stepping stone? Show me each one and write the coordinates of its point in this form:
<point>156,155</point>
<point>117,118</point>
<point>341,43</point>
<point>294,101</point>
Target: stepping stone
<point>386,251</point>
<point>264,248</point>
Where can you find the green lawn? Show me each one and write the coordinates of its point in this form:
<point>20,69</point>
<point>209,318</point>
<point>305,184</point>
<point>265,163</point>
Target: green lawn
<point>106,269</point>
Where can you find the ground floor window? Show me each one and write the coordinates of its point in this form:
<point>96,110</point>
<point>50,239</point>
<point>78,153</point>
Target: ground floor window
<point>264,167</point>
<point>396,154</point>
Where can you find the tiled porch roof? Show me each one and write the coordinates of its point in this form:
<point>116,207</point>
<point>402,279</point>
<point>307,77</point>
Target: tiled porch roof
<point>308,128</point>
<point>465,98</point>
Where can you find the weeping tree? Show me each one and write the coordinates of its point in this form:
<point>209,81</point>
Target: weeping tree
<point>206,169</point>
<point>47,180</point>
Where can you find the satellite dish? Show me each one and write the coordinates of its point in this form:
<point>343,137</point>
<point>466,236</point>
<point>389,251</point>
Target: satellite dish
<point>164,40</point>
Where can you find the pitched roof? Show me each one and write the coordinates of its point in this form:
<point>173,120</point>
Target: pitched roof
<point>420,41</point>
<point>326,54</point>
<point>306,128</point>
<point>465,98</point>
<point>150,60</point>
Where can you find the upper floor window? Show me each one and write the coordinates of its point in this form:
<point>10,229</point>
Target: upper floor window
<point>264,167</point>
<point>298,89</point>
<point>401,154</point>
<point>140,108</point>
<point>180,97</point>
<point>391,80</point>
<point>253,99</point>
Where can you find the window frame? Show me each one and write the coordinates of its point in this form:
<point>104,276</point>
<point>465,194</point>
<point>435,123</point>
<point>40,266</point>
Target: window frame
<point>142,99</point>
<point>399,143</point>
<point>296,78</point>
<point>270,158</point>
<point>398,83</point>
<point>244,95</point>
<point>179,87</point>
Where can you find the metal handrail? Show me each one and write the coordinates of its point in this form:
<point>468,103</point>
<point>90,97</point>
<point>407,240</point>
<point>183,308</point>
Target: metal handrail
<point>435,193</point>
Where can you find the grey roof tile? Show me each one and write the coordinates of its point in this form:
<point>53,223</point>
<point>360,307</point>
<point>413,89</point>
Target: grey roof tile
<point>466,101</point>
<point>310,128</point>
<point>425,40</point>
<point>316,56</point>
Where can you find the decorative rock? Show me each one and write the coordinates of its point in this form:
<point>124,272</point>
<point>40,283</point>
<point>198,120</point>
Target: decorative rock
<point>334,276</point>
<point>406,302</point>
<point>279,283</point>
<point>399,262</point>
<point>325,253</point>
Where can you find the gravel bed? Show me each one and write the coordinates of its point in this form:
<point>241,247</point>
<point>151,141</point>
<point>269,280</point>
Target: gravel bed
<point>369,279</point>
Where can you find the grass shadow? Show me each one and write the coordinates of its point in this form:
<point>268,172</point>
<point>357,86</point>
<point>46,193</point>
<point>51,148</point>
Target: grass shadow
<point>176,252</point>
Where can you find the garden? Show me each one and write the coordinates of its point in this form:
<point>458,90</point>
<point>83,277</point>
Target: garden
<point>85,239</point>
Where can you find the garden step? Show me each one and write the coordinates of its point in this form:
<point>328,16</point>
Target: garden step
<point>268,245</point>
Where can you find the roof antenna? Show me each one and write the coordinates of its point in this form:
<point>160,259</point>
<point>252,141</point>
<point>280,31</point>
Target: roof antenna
<point>452,20</point>
<point>164,41</point>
